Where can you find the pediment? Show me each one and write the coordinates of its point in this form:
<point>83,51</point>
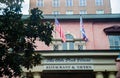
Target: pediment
<point>114,30</point>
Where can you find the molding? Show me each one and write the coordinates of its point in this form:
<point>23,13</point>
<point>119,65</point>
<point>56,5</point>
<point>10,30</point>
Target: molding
<point>114,30</point>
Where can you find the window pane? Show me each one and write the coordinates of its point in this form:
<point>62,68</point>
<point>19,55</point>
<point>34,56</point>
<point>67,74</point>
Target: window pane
<point>64,46</point>
<point>82,2</point>
<point>114,42</point>
<point>56,3</point>
<point>69,3</point>
<point>69,36</point>
<point>71,46</point>
<point>40,3</point>
<point>99,2</point>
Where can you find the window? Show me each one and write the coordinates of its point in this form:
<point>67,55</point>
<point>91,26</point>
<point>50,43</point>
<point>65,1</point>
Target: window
<point>114,36</point>
<point>99,2</point>
<point>55,12</point>
<point>56,3</point>
<point>114,41</point>
<point>83,12</point>
<point>40,3</point>
<point>69,12</point>
<point>69,2</point>
<point>82,2</point>
<point>100,12</point>
<point>69,44</point>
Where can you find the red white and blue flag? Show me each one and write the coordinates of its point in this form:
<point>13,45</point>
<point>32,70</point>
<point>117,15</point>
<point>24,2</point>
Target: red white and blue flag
<point>84,37</point>
<point>59,29</point>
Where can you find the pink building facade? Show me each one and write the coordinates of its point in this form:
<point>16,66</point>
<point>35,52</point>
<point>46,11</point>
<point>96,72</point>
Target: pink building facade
<point>94,26</point>
<point>77,58</point>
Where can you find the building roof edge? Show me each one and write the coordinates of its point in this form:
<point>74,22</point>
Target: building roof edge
<point>77,16</point>
<point>84,16</point>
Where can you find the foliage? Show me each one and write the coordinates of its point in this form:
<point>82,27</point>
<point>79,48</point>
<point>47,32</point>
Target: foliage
<point>14,5</point>
<point>17,38</point>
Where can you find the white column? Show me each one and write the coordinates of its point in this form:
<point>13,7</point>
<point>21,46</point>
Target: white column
<point>111,75</point>
<point>99,75</point>
<point>36,75</point>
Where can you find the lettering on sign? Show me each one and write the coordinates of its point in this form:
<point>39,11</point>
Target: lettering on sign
<point>68,67</point>
<point>65,60</point>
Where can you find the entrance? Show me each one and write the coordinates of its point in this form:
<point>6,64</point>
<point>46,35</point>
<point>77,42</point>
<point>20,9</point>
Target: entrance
<point>67,74</point>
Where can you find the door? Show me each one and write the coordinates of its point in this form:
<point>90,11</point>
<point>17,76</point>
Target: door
<point>68,74</point>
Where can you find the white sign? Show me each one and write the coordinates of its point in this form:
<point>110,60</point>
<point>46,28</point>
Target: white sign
<point>68,67</point>
<point>65,60</point>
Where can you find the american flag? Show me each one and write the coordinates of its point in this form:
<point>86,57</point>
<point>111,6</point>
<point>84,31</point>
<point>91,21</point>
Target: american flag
<point>84,37</point>
<point>59,29</point>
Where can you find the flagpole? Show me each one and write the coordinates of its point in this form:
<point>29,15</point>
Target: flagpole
<point>80,26</point>
<point>55,27</point>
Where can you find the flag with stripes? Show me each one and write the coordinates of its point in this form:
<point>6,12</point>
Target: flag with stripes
<point>59,29</point>
<point>84,37</point>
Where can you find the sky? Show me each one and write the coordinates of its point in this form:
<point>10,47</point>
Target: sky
<point>115,6</point>
<point>25,9</point>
